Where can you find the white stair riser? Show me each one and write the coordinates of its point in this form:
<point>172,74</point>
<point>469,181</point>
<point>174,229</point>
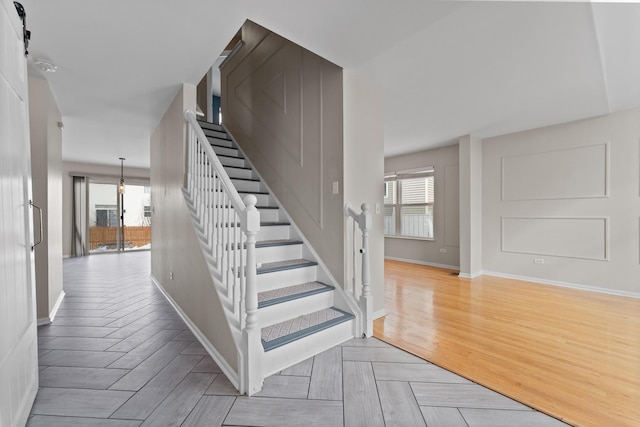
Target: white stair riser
<point>239,173</point>
<point>274,232</point>
<point>263,199</point>
<point>287,310</point>
<point>268,254</point>
<point>271,232</point>
<point>246,185</point>
<point>278,253</point>
<point>269,215</point>
<point>288,355</point>
<point>226,151</point>
<point>283,278</point>
<point>232,161</point>
<point>266,215</point>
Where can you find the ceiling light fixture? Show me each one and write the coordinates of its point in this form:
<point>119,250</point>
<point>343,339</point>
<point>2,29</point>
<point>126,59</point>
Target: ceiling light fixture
<point>45,65</point>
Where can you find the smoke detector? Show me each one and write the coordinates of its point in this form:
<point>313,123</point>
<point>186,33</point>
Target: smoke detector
<point>45,65</point>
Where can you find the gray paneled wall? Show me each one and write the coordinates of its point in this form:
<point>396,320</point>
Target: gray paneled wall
<point>568,195</point>
<point>283,105</point>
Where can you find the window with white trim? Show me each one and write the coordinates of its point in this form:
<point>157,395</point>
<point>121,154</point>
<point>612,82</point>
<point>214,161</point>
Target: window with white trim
<point>408,203</point>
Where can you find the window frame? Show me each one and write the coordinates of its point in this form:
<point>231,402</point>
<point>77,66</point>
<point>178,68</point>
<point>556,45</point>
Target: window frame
<point>398,177</point>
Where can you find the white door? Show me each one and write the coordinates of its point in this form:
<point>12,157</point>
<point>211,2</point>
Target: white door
<point>18,344</point>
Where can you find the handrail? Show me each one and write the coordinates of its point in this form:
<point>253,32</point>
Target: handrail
<point>227,227</point>
<point>238,204</point>
<point>363,220</point>
<point>41,228</point>
<point>235,50</point>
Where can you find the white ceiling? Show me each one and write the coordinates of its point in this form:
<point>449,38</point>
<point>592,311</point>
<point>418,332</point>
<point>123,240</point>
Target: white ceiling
<point>446,68</point>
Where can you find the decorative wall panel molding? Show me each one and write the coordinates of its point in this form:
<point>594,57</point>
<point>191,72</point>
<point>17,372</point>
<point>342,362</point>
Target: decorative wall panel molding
<point>573,173</point>
<point>579,237</point>
<point>283,106</point>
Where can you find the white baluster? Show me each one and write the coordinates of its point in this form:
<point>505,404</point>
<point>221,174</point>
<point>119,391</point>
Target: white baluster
<point>251,333</point>
<point>219,223</point>
<point>205,199</point>
<point>234,277</point>
<point>366,300</point>
<point>189,162</point>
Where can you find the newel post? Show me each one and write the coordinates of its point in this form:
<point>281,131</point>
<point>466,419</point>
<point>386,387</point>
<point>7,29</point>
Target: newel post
<point>366,300</point>
<point>252,346</point>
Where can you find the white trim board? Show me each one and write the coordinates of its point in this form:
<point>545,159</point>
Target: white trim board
<point>564,284</point>
<point>217,357</point>
<point>429,264</point>
<point>379,313</point>
<point>52,315</point>
<point>43,321</point>
<point>470,276</point>
<point>526,279</point>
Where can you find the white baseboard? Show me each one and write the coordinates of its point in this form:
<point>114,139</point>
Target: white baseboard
<point>230,373</point>
<point>380,313</point>
<point>470,276</point>
<point>524,278</point>
<point>56,306</point>
<point>52,315</point>
<point>430,264</point>
<point>43,321</point>
<point>564,284</point>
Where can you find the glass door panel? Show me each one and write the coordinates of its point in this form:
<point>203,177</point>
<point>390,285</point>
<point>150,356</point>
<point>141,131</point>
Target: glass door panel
<point>137,217</point>
<point>103,217</point>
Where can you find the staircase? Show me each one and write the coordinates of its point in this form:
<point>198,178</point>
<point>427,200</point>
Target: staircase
<point>300,312</point>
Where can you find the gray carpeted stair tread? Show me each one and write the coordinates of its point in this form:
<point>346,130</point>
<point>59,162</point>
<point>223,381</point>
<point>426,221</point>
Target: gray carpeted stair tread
<point>271,243</point>
<point>289,293</point>
<point>289,264</point>
<point>279,242</point>
<point>282,333</point>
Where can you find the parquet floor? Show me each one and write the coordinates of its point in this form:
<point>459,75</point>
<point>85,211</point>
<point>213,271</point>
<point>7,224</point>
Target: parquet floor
<point>572,354</point>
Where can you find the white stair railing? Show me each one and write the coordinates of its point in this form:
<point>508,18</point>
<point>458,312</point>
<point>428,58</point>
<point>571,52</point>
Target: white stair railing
<point>227,227</point>
<point>365,300</point>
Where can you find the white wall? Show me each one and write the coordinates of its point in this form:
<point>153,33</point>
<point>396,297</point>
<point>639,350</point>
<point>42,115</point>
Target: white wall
<point>364,173</point>
<point>46,167</point>
<point>18,334</point>
<point>446,209</point>
<point>177,261</point>
<point>470,149</point>
<point>569,195</point>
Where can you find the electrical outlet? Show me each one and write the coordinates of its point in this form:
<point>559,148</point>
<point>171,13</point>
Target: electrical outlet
<point>336,190</point>
<point>377,208</point>
<point>171,275</point>
<point>443,250</point>
<point>538,261</point>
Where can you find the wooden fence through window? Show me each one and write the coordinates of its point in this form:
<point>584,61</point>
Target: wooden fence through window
<point>108,237</point>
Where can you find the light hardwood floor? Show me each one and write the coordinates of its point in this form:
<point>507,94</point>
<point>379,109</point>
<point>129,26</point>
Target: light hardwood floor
<point>570,353</point>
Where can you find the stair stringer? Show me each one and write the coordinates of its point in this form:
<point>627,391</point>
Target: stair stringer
<point>342,300</point>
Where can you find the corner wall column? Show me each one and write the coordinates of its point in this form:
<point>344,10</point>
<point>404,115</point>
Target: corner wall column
<point>470,206</point>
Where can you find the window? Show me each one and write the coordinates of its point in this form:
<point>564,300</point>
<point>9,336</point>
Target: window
<point>408,204</point>
<point>106,216</point>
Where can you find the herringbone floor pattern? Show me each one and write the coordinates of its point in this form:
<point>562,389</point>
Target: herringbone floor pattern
<point>118,355</point>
